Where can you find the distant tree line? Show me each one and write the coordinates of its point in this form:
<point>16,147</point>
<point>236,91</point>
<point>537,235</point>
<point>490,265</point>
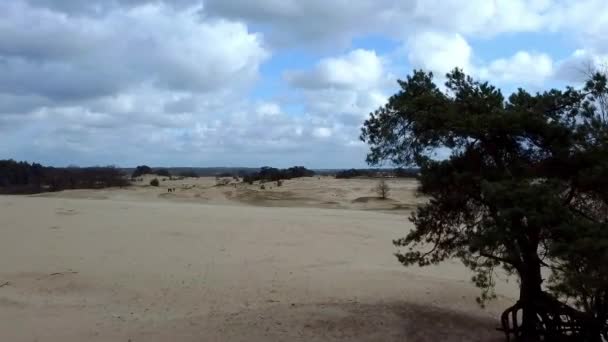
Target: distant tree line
<point>271,174</point>
<point>188,174</point>
<point>197,171</point>
<point>146,170</point>
<point>25,178</point>
<point>398,172</point>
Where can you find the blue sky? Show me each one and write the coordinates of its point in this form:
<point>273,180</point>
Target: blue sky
<point>252,83</point>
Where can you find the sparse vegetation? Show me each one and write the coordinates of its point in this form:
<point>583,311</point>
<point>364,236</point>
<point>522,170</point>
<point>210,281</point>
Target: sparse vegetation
<point>222,181</point>
<point>382,189</point>
<point>155,182</point>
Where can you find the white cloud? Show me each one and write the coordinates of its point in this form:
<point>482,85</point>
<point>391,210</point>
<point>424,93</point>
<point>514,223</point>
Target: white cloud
<point>342,90</point>
<point>439,52</point>
<point>359,69</point>
<point>85,57</point>
<point>523,67</point>
<point>585,20</point>
<point>170,81</point>
<point>480,17</point>
<point>322,132</point>
<point>336,22</point>
<point>268,109</point>
<point>442,52</point>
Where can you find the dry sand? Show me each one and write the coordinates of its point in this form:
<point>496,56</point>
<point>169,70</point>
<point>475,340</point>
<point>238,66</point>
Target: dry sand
<point>231,263</point>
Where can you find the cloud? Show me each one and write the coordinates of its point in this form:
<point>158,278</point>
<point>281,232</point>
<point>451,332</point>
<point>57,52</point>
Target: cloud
<point>523,67</point>
<point>439,52</point>
<point>198,82</point>
<point>344,88</point>
<point>80,58</point>
<point>442,52</point>
<point>359,69</point>
<point>322,132</point>
<point>337,22</point>
<point>101,7</point>
<point>293,22</point>
<point>585,20</point>
<point>576,68</point>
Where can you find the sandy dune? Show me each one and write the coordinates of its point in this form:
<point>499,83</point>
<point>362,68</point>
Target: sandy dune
<point>313,192</point>
<point>203,264</point>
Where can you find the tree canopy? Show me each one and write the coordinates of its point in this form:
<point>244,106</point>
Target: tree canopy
<point>524,185</point>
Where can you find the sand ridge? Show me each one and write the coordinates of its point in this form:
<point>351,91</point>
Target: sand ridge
<point>313,192</point>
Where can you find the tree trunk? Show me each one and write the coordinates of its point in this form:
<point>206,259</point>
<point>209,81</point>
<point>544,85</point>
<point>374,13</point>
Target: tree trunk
<point>530,293</point>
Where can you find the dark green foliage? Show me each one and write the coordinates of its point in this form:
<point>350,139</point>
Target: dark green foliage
<point>351,174</point>
<point>146,170</point>
<point>580,270</point>
<point>22,177</point>
<point>398,172</point>
<point>524,184</point>
<point>141,170</point>
<point>272,174</point>
<point>155,182</point>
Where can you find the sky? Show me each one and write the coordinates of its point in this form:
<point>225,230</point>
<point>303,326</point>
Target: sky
<point>253,83</point>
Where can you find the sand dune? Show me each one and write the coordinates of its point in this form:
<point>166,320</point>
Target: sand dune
<point>313,192</point>
<point>228,263</point>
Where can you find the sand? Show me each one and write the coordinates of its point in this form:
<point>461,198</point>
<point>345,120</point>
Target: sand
<point>309,261</point>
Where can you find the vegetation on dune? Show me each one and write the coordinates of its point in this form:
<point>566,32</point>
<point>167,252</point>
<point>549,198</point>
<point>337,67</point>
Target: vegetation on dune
<point>141,170</point>
<point>271,174</point>
<point>23,177</point>
<point>146,170</point>
<point>155,182</point>
<point>525,187</point>
<point>382,189</point>
<point>398,172</point>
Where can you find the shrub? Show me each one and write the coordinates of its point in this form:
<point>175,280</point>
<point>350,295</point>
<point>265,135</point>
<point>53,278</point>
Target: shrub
<point>382,189</point>
<point>155,182</point>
